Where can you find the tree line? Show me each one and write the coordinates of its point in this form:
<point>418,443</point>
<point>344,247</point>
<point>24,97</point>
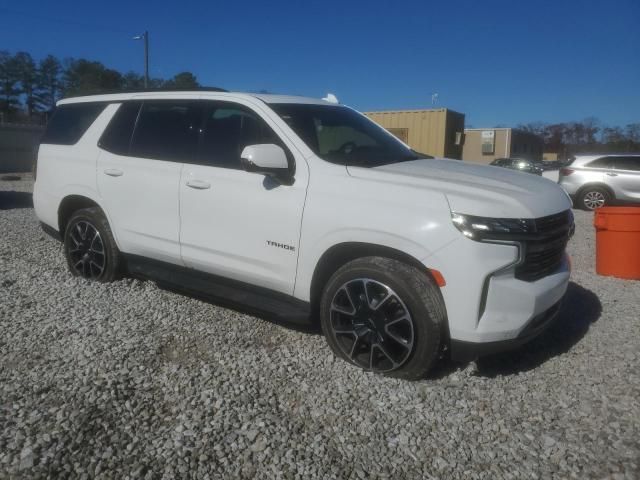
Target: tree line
<point>588,135</point>
<point>30,88</point>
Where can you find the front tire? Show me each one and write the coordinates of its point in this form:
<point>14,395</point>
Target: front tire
<point>384,316</point>
<point>90,248</point>
<point>592,198</point>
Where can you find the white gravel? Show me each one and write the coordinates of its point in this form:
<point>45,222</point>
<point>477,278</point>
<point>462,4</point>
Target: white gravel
<point>129,381</point>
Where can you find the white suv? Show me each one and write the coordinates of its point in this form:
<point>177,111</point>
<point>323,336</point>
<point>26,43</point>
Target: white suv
<point>306,209</point>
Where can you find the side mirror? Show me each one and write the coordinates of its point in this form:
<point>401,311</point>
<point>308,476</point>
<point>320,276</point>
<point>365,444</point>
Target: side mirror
<point>266,158</point>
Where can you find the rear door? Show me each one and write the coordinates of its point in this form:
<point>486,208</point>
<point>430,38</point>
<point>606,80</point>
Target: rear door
<point>595,171</point>
<point>139,168</point>
<point>625,177</point>
<point>237,224</point>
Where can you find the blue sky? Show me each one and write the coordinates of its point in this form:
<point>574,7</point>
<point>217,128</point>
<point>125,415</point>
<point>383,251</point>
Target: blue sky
<point>499,62</point>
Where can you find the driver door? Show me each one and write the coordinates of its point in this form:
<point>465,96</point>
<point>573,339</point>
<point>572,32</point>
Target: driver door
<point>234,223</point>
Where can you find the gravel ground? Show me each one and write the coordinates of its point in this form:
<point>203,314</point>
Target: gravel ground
<point>130,381</point>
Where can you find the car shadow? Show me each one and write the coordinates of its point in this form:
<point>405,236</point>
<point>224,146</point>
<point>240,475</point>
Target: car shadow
<point>580,308</point>
<point>11,178</point>
<point>11,199</point>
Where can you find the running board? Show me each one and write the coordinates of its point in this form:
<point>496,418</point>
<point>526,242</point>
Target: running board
<point>240,296</point>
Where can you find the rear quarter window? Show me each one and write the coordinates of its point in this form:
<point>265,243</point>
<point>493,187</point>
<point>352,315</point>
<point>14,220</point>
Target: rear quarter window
<point>117,136</point>
<point>70,122</point>
<point>604,162</point>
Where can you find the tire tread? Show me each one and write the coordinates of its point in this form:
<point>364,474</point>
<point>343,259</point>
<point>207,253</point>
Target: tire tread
<point>417,289</point>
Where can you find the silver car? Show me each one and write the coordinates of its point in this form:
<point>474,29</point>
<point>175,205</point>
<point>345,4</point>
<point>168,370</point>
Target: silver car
<point>594,181</point>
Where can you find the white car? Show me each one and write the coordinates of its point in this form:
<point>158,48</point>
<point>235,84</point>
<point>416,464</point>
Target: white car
<point>306,209</point>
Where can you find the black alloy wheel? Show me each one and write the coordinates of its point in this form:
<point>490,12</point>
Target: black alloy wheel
<point>86,250</point>
<point>385,316</point>
<point>90,247</point>
<point>372,324</point>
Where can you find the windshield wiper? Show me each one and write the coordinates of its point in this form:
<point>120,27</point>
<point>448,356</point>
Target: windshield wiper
<point>421,155</point>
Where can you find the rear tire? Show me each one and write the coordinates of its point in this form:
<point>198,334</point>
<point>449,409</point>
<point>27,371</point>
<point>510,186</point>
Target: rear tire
<point>592,198</point>
<point>385,316</point>
<point>90,248</point>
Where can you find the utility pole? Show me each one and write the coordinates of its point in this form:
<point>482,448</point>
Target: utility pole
<point>145,37</point>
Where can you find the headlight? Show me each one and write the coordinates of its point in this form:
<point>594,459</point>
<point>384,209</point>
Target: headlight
<point>498,229</point>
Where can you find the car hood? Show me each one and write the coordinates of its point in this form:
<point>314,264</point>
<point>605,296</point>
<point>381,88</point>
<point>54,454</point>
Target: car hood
<point>475,189</point>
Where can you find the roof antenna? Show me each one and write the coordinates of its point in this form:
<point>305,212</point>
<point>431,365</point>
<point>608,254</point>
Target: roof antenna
<point>331,98</point>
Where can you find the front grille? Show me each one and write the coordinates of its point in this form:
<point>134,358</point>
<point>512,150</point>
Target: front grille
<point>543,252</point>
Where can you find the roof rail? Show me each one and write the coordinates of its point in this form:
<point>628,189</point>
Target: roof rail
<point>153,90</point>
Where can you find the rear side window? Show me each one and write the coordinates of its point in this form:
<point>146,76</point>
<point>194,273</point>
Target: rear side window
<point>626,163</point>
<point>167,130</point>
<point>117,136</point>
<point>227,129</point>
<point>604,162</point>
<point>70,121</point>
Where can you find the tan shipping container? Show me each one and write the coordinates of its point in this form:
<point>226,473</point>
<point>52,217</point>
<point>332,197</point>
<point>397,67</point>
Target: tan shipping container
<point>438,132</point>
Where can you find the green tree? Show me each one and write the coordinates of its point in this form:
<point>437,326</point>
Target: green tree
<point>135,81</point>
<point>27,75</point>
<point>132,81</point>
<point>183,80</point>
<point>632,132</point>
<point>84,77</point>
<point>49,83</point>
<point>9,91</point>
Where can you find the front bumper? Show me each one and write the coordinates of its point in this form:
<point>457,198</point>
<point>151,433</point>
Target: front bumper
<point>485,301</point>
<point>462,351</point>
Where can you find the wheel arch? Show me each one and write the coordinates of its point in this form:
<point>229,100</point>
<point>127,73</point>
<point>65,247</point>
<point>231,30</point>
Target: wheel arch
<point>342,253</point>
<point>69,205</point>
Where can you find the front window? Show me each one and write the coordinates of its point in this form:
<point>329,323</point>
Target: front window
<point>340,135</point>
<point>227,129</point>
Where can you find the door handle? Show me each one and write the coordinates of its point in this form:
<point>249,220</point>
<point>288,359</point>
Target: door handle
<point>114,172</point>
<point>611,174</point>
<point>198,184</point>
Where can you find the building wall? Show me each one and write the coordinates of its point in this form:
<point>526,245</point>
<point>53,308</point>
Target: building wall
<point>472,149</point>
<point>508,142</point>
<point>427,131</point>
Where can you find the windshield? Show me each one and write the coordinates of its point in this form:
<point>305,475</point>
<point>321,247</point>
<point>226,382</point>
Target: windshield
<point>338,134</point>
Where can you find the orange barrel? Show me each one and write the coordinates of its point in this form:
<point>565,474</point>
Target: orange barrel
<point>618,241</point>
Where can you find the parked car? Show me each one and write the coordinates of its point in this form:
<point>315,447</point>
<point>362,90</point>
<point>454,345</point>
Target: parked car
<point>309,210</point>
<point>594,181</point>
<point>521,164</point>
<point>555,164</point>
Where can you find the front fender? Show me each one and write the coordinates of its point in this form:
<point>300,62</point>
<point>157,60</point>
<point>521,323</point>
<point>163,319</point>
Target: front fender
<point>310,257</point>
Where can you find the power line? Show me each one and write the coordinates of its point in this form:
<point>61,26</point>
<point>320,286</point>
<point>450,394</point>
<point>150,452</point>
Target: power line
<point>49,19</point>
